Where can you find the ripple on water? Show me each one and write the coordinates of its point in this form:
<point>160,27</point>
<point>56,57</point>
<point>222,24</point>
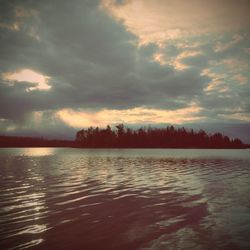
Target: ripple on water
<point>124,199</point>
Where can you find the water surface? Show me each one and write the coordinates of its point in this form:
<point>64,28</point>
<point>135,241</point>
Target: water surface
<point>124,199</point>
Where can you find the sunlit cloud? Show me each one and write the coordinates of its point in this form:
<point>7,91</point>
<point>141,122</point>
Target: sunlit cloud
<point>15,26</point>
<point>160,58</point>
<point>178,62</point>
<point>237,116</point>
<point>139,115</point>
<point>217,79</point>
<point>226,75</point>
<point>161,20</point>
<point>27,75</point>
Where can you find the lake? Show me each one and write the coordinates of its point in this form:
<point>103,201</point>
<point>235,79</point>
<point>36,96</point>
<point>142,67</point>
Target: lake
<point>63,198</point>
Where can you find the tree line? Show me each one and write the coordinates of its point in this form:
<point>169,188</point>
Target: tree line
<point>18,141</point>
<point>148,137</point>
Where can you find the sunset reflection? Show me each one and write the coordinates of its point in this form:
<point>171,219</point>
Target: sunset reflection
<point>38,151</point>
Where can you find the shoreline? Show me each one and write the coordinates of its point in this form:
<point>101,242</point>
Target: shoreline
<point>49,146</point>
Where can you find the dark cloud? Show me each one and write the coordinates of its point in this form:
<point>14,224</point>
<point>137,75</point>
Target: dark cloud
<point>91,60</point>
<point>44,124</point>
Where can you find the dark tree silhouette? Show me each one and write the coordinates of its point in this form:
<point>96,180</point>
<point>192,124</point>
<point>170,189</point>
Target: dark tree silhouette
<point>17,141</point>
<point>168,137</point>
<point>122,137</point>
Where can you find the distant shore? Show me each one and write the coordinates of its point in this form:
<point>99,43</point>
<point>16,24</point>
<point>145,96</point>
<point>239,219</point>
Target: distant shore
<point>123,137</point>
<point>32,142</point>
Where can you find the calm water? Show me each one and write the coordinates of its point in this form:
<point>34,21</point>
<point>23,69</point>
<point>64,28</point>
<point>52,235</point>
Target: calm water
<point>124,199</point>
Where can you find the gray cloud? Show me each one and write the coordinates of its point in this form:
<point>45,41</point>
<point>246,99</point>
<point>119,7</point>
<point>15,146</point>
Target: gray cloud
<point>91,61</point>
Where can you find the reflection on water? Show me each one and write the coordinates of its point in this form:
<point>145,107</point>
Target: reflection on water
<point>38,151</point>
<point>124,199</point>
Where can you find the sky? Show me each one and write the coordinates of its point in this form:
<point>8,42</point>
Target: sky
<point>67,65</point>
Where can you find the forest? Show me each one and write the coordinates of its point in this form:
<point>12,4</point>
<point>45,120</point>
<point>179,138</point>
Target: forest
<point>124,137</point>
<point>148,137</point>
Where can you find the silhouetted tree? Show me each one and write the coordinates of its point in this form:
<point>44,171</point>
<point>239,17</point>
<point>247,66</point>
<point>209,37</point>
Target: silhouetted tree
<point>143,137</point>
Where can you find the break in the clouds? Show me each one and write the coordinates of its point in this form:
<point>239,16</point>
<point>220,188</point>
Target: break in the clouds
<point>71,64</point>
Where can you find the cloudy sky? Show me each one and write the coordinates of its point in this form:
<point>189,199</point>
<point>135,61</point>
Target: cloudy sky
<point>66,65</point>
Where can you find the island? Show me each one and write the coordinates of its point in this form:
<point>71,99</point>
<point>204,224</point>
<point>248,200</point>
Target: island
<point>124,137</point>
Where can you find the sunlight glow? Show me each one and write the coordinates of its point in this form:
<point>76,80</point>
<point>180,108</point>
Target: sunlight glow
<point>27,75</point>
<point>138,115</point>
<point>158,57</point>
<point>38,151</point>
